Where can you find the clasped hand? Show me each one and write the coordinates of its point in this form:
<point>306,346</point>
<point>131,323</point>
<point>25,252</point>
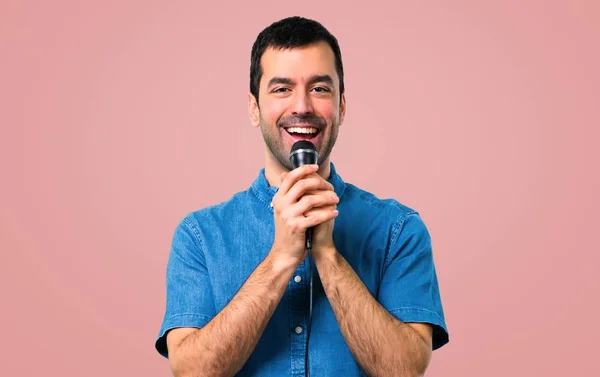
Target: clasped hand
<point>304,200</point>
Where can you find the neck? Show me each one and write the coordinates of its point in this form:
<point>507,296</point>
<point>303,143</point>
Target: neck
<point>273,169</point>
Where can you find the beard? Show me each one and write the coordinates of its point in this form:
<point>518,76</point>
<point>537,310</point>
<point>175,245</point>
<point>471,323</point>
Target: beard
<point>274,141</point>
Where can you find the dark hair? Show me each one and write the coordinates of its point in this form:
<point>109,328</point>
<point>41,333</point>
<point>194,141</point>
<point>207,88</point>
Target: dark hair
<point>288,33</point>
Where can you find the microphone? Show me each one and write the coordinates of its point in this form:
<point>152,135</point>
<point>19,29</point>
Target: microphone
<point>304,152</point>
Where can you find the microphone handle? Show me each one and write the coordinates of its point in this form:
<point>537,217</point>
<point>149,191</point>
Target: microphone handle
<point>309,232</point>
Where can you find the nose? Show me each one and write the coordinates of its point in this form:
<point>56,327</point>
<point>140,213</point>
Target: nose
<point>302,103</point>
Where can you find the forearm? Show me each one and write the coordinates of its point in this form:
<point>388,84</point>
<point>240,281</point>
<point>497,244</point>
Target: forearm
<point>381,344</point>
<point>223,346</point>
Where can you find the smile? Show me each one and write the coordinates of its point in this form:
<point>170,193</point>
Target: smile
<point>302,133</point>
<point>302,130</point>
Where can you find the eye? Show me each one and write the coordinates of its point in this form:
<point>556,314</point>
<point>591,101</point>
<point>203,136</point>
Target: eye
<point>321,89</point>
<point>280,90</point>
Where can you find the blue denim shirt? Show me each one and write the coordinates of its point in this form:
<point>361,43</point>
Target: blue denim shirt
<point>215,249</point>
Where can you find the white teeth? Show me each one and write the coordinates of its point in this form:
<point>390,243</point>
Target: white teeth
<point>302,130</point>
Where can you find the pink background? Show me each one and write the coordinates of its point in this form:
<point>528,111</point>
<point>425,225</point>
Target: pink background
<point>120,117</point>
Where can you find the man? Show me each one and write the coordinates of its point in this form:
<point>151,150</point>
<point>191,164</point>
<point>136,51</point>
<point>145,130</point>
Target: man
<point>238,277</point>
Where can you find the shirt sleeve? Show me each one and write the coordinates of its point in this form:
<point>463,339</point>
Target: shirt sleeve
<point>189,300</point>
<point>409,288</point>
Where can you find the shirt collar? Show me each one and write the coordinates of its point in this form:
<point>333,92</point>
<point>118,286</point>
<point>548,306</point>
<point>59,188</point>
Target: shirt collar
<point>265,192</point>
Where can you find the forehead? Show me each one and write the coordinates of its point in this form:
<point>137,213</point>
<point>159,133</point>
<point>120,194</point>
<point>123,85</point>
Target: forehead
<point>299,63</point>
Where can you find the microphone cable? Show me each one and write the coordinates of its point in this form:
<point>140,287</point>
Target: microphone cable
<point>304,152</point>
<point>310,305</point>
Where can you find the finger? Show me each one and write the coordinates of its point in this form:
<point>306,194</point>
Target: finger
<point>315,210</point>
<point>329,189</point>
<point>318,217</point>
<point>293,176</point>
<point>305,185</point>
<point>308,202</point>
<point>279,193</point>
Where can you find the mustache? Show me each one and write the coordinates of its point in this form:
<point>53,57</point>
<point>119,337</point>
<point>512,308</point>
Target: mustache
<point>311,119</point>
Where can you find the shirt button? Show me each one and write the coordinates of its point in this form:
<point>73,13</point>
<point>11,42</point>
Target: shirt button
<point>297,278</point>
<point>298,329</point>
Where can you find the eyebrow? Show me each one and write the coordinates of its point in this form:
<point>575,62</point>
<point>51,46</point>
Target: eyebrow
<point>287,81</point>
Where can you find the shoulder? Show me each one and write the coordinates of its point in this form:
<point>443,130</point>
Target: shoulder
<point>216,213</point>
<point>392,213</point>
<point>369,201</point>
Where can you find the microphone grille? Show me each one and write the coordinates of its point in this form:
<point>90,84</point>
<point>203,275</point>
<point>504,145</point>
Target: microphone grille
<point>303,144</point>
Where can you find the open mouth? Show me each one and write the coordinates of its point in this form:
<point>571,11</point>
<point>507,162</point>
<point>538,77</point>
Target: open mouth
<point>302,133</point>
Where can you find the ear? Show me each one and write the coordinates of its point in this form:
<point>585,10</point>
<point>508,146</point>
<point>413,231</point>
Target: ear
<point>253,110</point>
<point>342,108</point>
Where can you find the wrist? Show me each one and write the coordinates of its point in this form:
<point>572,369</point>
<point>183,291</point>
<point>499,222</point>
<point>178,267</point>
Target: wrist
<point>327,254</point>
<point>281,263</point>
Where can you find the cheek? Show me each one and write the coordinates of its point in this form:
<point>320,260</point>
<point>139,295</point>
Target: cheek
<point>271,111</point>
<point>327,110</point>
